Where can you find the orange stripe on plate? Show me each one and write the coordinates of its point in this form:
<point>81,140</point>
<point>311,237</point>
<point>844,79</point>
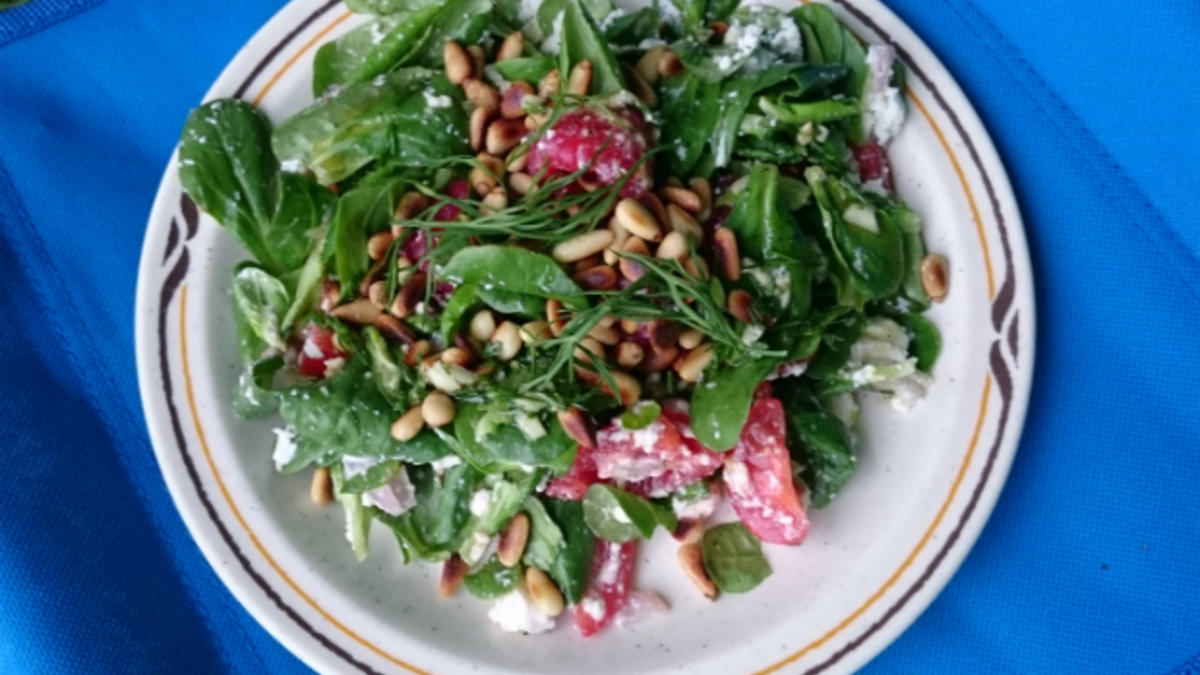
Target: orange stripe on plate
<point>307,46</point>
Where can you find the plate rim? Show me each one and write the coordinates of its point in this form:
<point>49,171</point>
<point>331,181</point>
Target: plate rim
<point>1003,204</point>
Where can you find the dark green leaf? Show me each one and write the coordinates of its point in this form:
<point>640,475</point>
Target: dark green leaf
<point>515,270</point>
<point>618,516</point>
<point>526,68</point>
<point>261,301</point>
<point>492,580</point>
<point>572,567</point>
<point>826,40</point>
<point>721,402</point>
<point>463,21</point>
<point>358,523</point>
<point>437,522</point>
<point>253,396</point>
<point>926,339</point>
<point>797,113</point>
<point>361,212</point>
<point>546,539</point>
<point>506,447</point>
<point>689,109</point>
<point>386,6</point>
<point>368,474</point>
<point>302,207</point>
<point>736,94</point>
<point>581,40</point>
<point>371,49</point>
<point>633,28</point>
<point>733,558</point>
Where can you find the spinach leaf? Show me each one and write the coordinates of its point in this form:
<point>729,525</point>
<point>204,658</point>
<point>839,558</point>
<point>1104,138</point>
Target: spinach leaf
<point>505,498</point>
<point>692,12</point>
<point>573,565</point>
<point>492,580</point>
<point>798,113</point>
<point>302,206</point>
<point>307,285</point>
<point>818,441</point>
<point>618,516</point>
<point>546,539</point>
<point>390,121</point>
<point>837,337</point>
<point>358,524</point>
<point>826,40</point>
<point>925,339</point>
<point>393,382</point>
<point>361,212</point>
<point>359,474</point>
<point>720,10</point>
<point>371,49</point>
<point>463,21</point>
<point>513,269</point>
<point>914,252</point>
<point>506,447</point>
<point>261,302</point>
<point>632,28</point>
<point>733,558</point>
<point>253,396</point>
<point>736,94</point>
<point>526,68</point>
<point>689,109</point>
<point>435,525</point>
<point>461,302</point>
<point>581,40</point>
<point>721,403</point>
<point>381,7</point>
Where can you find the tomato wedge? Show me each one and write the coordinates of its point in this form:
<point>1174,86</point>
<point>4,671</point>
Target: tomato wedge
<point>575,482</point>
<point>317,349</point>
<point>758,478</point>
<point>687,463</point>
<point>608,589</point>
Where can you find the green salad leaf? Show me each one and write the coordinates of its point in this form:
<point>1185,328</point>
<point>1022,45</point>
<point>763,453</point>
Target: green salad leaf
<point>492,580</point>
<point>618,516</point>
<point>733,558</point>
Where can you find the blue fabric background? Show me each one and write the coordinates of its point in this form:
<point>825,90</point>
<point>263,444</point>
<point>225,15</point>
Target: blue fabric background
<point>1090,563</point>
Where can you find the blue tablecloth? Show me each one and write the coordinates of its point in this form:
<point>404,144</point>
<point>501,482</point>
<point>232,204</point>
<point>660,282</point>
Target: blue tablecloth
<point>1090,563</point>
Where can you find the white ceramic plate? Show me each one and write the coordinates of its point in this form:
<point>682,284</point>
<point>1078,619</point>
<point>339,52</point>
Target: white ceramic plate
<point>873,561</point>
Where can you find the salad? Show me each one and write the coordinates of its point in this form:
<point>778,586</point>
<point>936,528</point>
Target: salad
<point>532,281</point>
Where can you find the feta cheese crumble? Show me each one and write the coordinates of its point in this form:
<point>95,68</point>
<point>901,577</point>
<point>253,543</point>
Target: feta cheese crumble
<point>514,613</point>
<point>285,447</point>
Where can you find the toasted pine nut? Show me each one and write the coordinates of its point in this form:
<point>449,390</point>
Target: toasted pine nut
<point>739,302</point>
<point>703,189</point>
<point>598,278</point>
<point>629,390</point>
<point>496,200</point>
<point>585,264</point>
<point>580,80</point>
<point>512,542</point>
<point>691,559</point>
<point>620,236</point>
<point>453,571</point>
<point>682,221</point>
<point>416,352</point>
<point>457,356</point>
<point>394,329</point>
<point>662,333</point>
<point>690,338</point>
<point>409,205</point>
<point>521,183</point>
<point>478,58</point>
<point>377,294</point>
<point>482,325</point>
<point>330,292</point>
<point>582,246</point>
<point>674,246</point>
<point>685,198</point>
<point>719,28</point>
<point>630,326</point>
<point>361,311</point>
<point>605,335</point>
<point>696,267</point>
<point>378,243</point>
<point>511,102</point>
<point>437,409</point>
<point>669,64</point>
<point>652,202</point>
<point>504,135</point>
<point>637,220</point>
<point>478,128</point>
<point>534,331</point>
<point>508,336</point>
<point>512,46</point>
<point>691,365</point>
<point>575,424</point>
<point>486,174</point>
<point>935,276</point>
<point>629,354</point>
<point>517,159</point>
<point>321,488</point>
<point>554,317</point>
<point>647,66</point>
<point>364,285</point>
<point>407,426</point>
<point>589,348</point>
<point>659,359</point>
<point>458,62</point>
<point>688,531</point>
<point>639,86</point>
<point>728,257</point>
<point>535,121</point>
<point>410,295</point>
<point>550,83</point>
<point>542,592</point>
<point>480,93</point>
<point>632,269</point>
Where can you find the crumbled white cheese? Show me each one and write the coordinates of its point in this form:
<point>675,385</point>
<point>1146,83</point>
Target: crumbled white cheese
<point>737,476</point>
<point>529,425</point>
<point>435,100</point>
<point>291,165</point>
<point>334,366</point>
<point>514,613</point>
<point>481,501</point>
<point>394,497</point>
<point>354,465</point>
<point>862,216</point>
<point>447,377</point>
<point>883,104</point>
<point>481,544</point>
<point>285,447</point>
<point>697,510</point>
<point>441,466</point>
<point>593,607</point>
<point>751,333</point>
<point>607,575</point>
<point>551,44</point>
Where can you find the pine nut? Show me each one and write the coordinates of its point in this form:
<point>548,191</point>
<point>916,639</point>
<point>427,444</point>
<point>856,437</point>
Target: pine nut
<point>662,333</point>
<point>727,256</point>
<point>703,190</point>
<point>647,65</point>
<point>508,336</point>
<point>513,539</point>
<point>669,64</point>
<point>719,28</point>
<point>453,571</point>
<point>486,173</point>
<point>407,426</point>
<point>458,62</point>
<point>458,356</point>
<point>629,354</point>
<point>691,365</point>
<point>377,294</point>
<point>657,360</point>
<point>630,326</point>
<point>437,409</point>
<point>620,236</point>
<point>632,269</point>
<point>480,117</point>
<point>598,278</point>
<point>696,267</point>
<point>364,285</point>
<point>582,246</point>
<point>478,58</point>
<point>496,200</point>
<point>410,205</point>
<point>935,276</point>
<point>482,325</point>
<point>360,311</point>
<point>691,559</point>
<point>542,592</point>
<point>394,329</point>
<point>629,390</point>
<point>639,86</point>
<point>512,46</point>
<point>652,202</point>
<point>637,220</point>
<point>575,424</point>
<point>521,183</point>
<point>511,103</point>
<point>688,531</point>
<point>410,295</point>
<point>378,243</point>
<point>685,198</point>
<point>331,291</point>
<point>480,93</point>
<point>682,221</point>
<point>580,79</point>
<point>504,135</point>
<point>690,338</point>
<point>674,246</point>
<point>535,331</point>
<point>739,305</point>
<point>585,264</point>
<point>321,488</point>
<point>550,84</point>
<point>416,352</point>
<point>517,159</point>
<point>554,317</point>
<point>605,335</point>
<point>589,348</point>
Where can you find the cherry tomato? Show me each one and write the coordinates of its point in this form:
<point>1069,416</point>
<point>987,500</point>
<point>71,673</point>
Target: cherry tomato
<point>758,478</point>
<point>608,590</point>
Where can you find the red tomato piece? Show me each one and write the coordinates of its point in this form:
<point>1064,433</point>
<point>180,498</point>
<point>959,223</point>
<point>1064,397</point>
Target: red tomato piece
<point>758,478</point>
<point>627,457</point>
<point>611,146</point>
<point>317,349</point>
<point>608,590</point>
<point>873,163</point>
<point>687,463</point>
<point>574,483</point>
